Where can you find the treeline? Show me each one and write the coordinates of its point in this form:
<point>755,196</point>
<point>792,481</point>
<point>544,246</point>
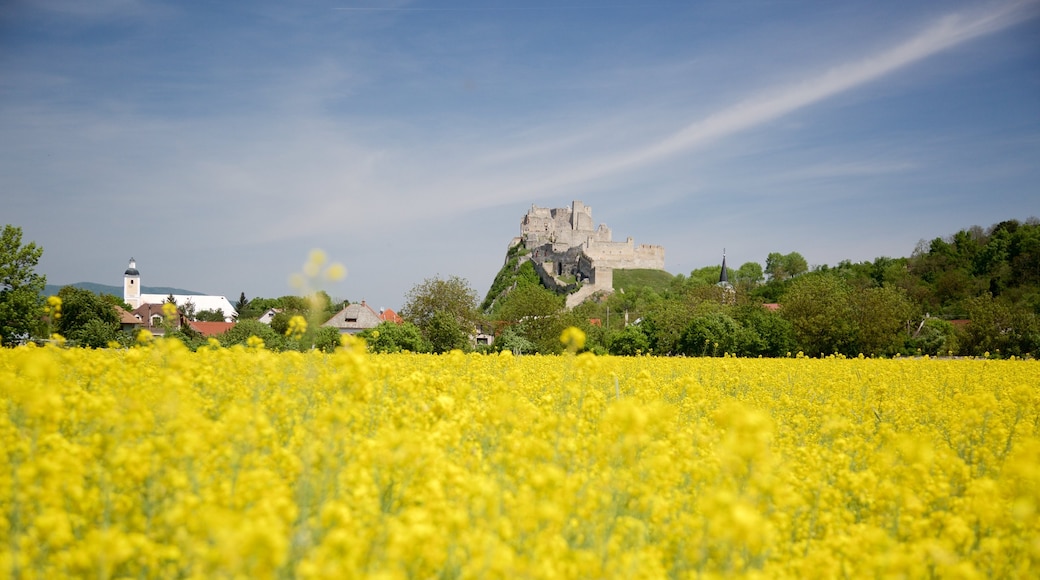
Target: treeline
<point>975,293</point>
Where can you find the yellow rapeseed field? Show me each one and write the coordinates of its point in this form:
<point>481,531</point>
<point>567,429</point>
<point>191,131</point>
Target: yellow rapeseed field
<point>156,462</point>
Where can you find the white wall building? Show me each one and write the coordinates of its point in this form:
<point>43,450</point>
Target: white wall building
<point>132,295</point>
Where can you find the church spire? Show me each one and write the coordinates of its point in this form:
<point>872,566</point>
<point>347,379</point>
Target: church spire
<point>723,277</point>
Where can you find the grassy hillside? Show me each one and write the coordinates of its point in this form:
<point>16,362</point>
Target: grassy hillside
<point>656,279</point>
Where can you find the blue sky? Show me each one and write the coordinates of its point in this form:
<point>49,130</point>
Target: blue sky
<point>217,143</point>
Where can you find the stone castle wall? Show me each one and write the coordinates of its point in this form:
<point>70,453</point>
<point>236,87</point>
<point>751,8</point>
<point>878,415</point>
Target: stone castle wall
<point>563,227</point>
<point>626,255</point>
<point>563,243</point>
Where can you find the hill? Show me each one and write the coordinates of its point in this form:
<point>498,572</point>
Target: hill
<point>657,280</point>
<point>52,289</point>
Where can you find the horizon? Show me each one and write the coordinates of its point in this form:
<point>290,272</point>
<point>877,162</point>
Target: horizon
<point>220,144</point>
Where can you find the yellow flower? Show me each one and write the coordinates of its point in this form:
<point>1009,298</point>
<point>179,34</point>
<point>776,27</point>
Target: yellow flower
<point>573,338</point>
<point>297,327</point>
<point>335,272</point>
<point>53,306</point>
<point>169,309</point>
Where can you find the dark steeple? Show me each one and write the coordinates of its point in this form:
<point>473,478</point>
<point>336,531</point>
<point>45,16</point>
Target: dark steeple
<point>723,277</point>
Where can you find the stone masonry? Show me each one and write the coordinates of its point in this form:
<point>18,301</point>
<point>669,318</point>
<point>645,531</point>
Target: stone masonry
<point>568,252</point>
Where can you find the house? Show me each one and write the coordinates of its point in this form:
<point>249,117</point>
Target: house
<point>268,316</point>
<point>388,315</point>
<point>208,329</point>
<point>152,318</point>
<point>354,318</point>
<point>128,321</point>
<point>132,295</point>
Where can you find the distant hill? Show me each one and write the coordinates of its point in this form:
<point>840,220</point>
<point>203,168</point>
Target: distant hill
<point>658,280</point>
<point>52,289</point>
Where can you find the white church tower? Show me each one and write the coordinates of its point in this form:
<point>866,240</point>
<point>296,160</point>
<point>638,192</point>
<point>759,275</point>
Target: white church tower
<point>132,285</point>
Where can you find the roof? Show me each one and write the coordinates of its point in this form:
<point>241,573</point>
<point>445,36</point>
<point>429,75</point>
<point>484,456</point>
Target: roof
<point>200,301</point>
<point>126,317</point>
<point>354,318</point>
<point>211,328</point>
<point>147,311</point>
<point>388,315</point>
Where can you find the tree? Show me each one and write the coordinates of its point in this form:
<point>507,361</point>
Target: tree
<point>784,266</point>
<point>392,337</point>
<point>775,334</point>
<point>445,333</point>
<point>1000,328</point>
<point>240,333</point>
<point>212,315</point>
<point>819,308</point>
<point>882,315</point>
<point>86,318</point>
<point>242,307</point>
<point>631,341</point>
<point>664,323</point>
<point>187,310</point>
<point>280,322</point>
<point>531,312</point>
<point>21,303</point>
<point>514,342</point>
<point>714,334</point>
<point>748,275</point>
<point>452,298</point>
<point>528,301</point>
<point>934,337</point>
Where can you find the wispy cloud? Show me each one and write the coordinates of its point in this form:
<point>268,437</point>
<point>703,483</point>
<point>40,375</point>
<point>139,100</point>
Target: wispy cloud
<point>771,104</point>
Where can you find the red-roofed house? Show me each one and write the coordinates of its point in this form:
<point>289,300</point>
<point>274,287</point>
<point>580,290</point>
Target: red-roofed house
<point>388,315</point>
<point>208,329</point>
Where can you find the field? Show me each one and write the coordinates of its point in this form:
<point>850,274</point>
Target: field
<point>159,462</point>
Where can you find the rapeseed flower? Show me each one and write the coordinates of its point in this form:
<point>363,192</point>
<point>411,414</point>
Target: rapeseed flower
<point>161,462</point>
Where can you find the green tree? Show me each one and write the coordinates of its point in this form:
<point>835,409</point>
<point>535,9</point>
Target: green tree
<point>392,337</point>
<point>323,338</point>
<point>21,303</point>
<point>212,315</point>
<point>714,334</point>
<point>819,308</point>
<point>512,340</point>
<point>280,322</point>
<point>881,318</point>
<point>86,318</point>
<point>784,266</point>
<point>664,323</point>
<point>775,335</point>
<point>452,298</point>
<point>631,341</point>
<point>748,276</point>
<point>445,333</point>
<point>240,333</point>
<point>933,337</point>
<point>242,308</point>
<point>531,312</point>
<point>1000,327</point>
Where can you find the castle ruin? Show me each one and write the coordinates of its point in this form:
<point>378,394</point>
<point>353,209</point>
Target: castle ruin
<point>568,252</point>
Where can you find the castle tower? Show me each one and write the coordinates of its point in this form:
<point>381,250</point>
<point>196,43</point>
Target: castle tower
<point>132,285</point>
